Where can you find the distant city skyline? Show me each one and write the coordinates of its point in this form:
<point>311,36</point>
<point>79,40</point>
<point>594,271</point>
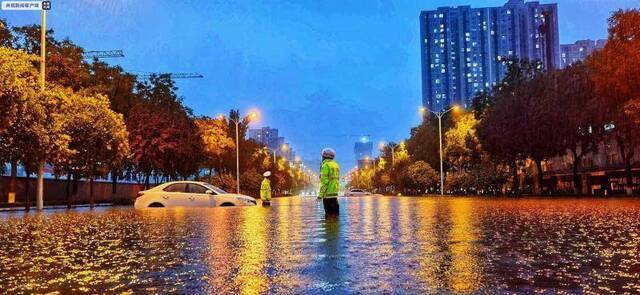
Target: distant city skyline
<point>579,50</point>
<point>315,69</point>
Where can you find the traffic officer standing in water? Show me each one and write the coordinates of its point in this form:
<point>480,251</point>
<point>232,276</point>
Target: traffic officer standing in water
<point>329,182</point>
<point>265,189</point>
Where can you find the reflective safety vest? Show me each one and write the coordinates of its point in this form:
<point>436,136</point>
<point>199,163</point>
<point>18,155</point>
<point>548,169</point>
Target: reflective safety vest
<point>265,190</point>
<point>329,179</point>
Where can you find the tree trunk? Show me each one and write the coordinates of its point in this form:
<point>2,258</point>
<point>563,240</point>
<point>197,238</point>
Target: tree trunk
<point>114,183</point>
<point>577,183</point>
<point>68,189</point>
<point>146,181</point>
<point>40,187</point>
<point>515,186</point>
<point>538,184</point>
<point>74,193</point>
<point>91,192</point>
<point>626,159</point>
<point>12,182</point>
<point>628,175</point>
<point>27,201</point>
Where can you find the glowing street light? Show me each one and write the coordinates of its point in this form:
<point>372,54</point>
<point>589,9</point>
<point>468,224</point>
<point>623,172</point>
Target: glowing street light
<point>250,117</point>
<point>439,114</point>
<point>284,148</point>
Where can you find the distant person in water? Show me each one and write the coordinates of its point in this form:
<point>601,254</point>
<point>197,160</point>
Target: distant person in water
<point>265,189</point>
<point>329,182</point>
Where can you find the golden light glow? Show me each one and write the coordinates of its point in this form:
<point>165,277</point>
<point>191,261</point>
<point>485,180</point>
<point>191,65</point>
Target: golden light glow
<point>381,145</point>
<point>220,116</point>
<point>455,108</point>
<point>422,110</point>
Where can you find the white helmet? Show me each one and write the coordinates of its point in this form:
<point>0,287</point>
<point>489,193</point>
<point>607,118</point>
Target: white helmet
<point>328,153</point>
<point>267,174</point>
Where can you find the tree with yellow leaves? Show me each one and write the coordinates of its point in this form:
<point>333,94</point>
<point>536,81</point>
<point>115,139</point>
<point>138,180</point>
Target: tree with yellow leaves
<point>98,138</point>
<point>216,142</point>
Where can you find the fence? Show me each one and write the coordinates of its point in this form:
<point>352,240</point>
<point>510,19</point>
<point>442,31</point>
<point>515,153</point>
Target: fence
<point>55,191</point>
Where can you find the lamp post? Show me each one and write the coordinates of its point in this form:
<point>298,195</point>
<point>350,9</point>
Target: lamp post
<point>439,115</point>
<point>249,117</point>
<point>393,150</point>
<point>284,148</point>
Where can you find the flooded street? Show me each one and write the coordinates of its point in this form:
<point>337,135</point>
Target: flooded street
<point>378,244</point>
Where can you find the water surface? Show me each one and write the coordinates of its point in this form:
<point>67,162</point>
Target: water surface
<point>378,244</point>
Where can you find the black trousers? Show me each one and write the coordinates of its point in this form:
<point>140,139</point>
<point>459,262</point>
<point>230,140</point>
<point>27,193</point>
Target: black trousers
<point>331,206</point>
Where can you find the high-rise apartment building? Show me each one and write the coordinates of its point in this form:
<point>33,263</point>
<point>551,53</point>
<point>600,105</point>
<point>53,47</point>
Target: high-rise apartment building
<point>363,149</point>
<point>267,136</point>
<point>571,53</point>
<point>464,50</point>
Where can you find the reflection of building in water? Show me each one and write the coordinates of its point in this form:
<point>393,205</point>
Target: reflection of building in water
<point>600,173</point>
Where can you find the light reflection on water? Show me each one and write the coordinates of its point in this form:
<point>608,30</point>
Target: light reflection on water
<point>378,244</point>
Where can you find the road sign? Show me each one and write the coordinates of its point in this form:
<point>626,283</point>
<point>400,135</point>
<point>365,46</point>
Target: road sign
<point>26,5</point>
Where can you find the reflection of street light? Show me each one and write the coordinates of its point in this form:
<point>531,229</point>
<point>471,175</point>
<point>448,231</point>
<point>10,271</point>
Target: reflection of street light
<point>252,115</point>
<point>439,114</point>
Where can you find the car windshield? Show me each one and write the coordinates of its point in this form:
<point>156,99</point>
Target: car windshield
<point>214,189</point>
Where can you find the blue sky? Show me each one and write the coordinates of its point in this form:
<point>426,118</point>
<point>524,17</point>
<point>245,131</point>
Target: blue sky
<point>324,72</point>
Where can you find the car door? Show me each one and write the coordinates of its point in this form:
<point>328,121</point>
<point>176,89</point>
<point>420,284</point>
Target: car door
<point>198,196</point>
<point>175,195</point>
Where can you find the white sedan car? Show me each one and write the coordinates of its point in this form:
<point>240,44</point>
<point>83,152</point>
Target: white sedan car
<point>189,194</point>
<point>357,193</point>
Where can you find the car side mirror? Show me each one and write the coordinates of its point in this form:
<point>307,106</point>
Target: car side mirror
<point>209,192</point>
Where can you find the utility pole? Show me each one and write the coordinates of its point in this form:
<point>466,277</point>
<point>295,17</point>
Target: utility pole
<point>43,61</point>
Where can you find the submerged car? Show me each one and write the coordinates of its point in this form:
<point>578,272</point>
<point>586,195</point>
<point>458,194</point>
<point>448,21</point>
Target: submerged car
<point>357,193</point>
<point>189,194</point>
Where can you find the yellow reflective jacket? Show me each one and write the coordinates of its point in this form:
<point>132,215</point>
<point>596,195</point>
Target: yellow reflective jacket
<point>265,190</point>
<point>329,179</point>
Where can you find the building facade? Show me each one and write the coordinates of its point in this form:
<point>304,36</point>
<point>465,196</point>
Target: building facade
<point>601,172</point>
<point>363,149</point>
<point>267,136</point>
<point>464,50</point>
<point>571,53</point>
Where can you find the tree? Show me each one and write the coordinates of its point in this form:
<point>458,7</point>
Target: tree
<point>164,139</point>
<point>508,118</point>
<point>422,176</point>
<point>18,87</point>
<point>98,138</point>
<point>6,38</point>
<point>456,149</point>
<point>18,79</point>
<point>65,61</point>
<point>216,142</point>
<point>119,87</point>
<point>577,121</point>
<point>616,75</point>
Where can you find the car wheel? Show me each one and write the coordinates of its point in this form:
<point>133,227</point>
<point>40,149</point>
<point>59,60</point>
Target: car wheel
<point>156,205</point>
<point>227,204</point>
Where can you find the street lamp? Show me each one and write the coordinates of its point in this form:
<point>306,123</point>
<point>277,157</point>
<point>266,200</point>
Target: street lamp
<point>439,114</point>
<point>393,150</point>
<point>283,148</point>
<point>252,115</point>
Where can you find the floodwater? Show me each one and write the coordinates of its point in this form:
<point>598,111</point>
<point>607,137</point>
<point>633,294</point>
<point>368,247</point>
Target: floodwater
<point>377,245</point>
